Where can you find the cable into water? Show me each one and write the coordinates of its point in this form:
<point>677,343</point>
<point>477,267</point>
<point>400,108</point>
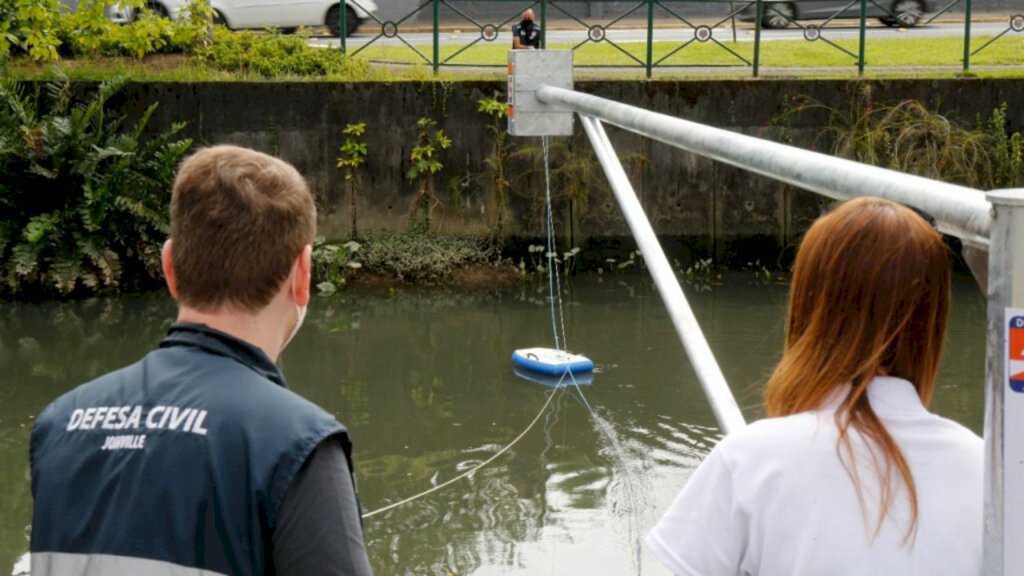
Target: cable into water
<point>550,241</point>
<point>475,468</point>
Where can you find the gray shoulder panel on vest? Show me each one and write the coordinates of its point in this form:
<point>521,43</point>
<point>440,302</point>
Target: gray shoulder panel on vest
<point>63,564</point>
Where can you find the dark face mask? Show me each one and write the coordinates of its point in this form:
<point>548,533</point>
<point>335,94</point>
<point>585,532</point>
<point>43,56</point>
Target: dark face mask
<point>527,22</point>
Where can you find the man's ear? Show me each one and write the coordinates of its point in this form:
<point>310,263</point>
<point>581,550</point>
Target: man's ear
<point>167,263</point>
<point>301,281</point>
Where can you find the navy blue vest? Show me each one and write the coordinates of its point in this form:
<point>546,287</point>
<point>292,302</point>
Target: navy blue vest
<point>182,458</point>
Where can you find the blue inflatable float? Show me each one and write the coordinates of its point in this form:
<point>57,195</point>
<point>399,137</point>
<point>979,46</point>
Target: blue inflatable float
<point>552,362</point>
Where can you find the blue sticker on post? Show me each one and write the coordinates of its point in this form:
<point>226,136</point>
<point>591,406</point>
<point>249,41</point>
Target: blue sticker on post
<point>1015,353</point>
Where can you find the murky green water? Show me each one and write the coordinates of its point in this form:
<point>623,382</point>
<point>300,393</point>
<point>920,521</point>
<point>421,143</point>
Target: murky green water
<point>424,382</point>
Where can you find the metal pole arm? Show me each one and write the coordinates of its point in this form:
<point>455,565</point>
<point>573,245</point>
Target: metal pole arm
<point>958,211</point>
<point>727,412</point>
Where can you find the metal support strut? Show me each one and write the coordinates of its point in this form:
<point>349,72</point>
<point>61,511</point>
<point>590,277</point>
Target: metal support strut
<point>697,350</point>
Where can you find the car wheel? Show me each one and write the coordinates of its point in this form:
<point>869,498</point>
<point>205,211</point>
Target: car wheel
<point>218,19</point>
<point>286,30</point>
<point>157,9</point>
<point>777,15</point>
<point>905,14</point>
<point>334,21</point>
<point>351,21</point>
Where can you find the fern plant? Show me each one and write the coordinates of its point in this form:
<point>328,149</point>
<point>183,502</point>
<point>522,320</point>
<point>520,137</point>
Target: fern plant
<point>84,205</point>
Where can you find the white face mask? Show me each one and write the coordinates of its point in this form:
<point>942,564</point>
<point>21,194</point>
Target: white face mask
<point>300,313</point>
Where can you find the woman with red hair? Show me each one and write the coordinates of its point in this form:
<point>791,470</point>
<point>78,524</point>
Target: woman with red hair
<point>850,473</point>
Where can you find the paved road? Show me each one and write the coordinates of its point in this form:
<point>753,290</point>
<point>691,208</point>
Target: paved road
<point>744,32</point>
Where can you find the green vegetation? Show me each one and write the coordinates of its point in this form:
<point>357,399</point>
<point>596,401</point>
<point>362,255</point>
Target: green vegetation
<point>41,31</point>
<point>332,263</point>
<point>276,55</point>
<point>353,156</point>
<point>496,162</point>
<point>575,173</point>
<point>424,163</point>
<point>909,137</point>
<point>34,33</point>
<point>425,258</point>
<point>84,199</point>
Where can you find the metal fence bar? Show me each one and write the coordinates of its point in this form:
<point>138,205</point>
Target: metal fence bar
<point>967,36</point>
<point>758,16</point>
<point>437,37</point>
<point>650,36</point>
<point>543,24</point>
<point>1016,25</point>
<point>958,211</point>
<point>645,57</point>
<point>863,36</point>
<point>710,376</point>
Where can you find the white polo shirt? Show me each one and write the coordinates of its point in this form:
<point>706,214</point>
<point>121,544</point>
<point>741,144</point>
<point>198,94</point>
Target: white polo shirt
<point>774,499</point>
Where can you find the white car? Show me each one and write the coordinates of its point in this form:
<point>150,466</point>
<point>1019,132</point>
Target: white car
<point>284,15</point>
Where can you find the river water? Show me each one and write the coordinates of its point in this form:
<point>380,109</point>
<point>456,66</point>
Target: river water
<point>424,382</point>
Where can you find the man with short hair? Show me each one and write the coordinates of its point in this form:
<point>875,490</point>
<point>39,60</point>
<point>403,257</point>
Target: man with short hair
<point>526,34</point>
<point>197,459</point>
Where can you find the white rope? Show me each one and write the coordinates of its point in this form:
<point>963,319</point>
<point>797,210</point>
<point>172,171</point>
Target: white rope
<point>475,468</point>
<point>555,290</point>
<point>556,295</point>
<point>552,269</point>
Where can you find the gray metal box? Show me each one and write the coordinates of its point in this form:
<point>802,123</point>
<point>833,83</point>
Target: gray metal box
<point>527,71</point>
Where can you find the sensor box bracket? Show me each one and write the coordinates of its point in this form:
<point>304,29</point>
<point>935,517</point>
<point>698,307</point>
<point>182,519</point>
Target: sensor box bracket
<point>528,70</point>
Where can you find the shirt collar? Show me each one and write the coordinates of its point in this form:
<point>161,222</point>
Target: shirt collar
<point>222,344</point>
<point>889,398</point>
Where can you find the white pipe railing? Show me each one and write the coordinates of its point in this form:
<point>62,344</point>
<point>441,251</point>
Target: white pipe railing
<point>992,222</point>
<point>958,211</point>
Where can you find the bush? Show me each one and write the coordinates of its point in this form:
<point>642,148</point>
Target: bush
<point>271,55</point>
<point>421,257</point>
<point>29,26</point>
<point>911,138</point>
<point>44,31</point>
<point>84,199</point>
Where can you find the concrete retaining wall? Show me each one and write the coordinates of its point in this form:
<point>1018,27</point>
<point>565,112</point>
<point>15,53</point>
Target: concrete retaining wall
<point>700,207</point>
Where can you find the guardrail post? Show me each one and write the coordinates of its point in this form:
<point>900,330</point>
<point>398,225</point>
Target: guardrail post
<point>967,36</point>
<point>758,15</point>
<point>650,36</point>
<point>1004,406</point>
<point>863,33</point>
<point>437,39</point>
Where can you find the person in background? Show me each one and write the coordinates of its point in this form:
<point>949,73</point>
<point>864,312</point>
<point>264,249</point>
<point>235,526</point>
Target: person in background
<point>850,474</point>
<point>197,459</point>
<point>526,34</point>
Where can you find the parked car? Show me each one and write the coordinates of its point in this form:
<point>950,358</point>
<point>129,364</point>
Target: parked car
<point>895,13</point>
<point>284,15</point>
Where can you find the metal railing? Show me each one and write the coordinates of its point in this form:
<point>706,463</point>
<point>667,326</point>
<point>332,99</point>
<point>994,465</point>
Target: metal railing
<point>648,16</point>
<point>992,221</point>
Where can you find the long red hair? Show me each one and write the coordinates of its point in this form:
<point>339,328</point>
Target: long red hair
<point>870,295</point>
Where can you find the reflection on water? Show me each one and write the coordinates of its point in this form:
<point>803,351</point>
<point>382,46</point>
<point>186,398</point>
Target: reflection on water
<point>424,382</point>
